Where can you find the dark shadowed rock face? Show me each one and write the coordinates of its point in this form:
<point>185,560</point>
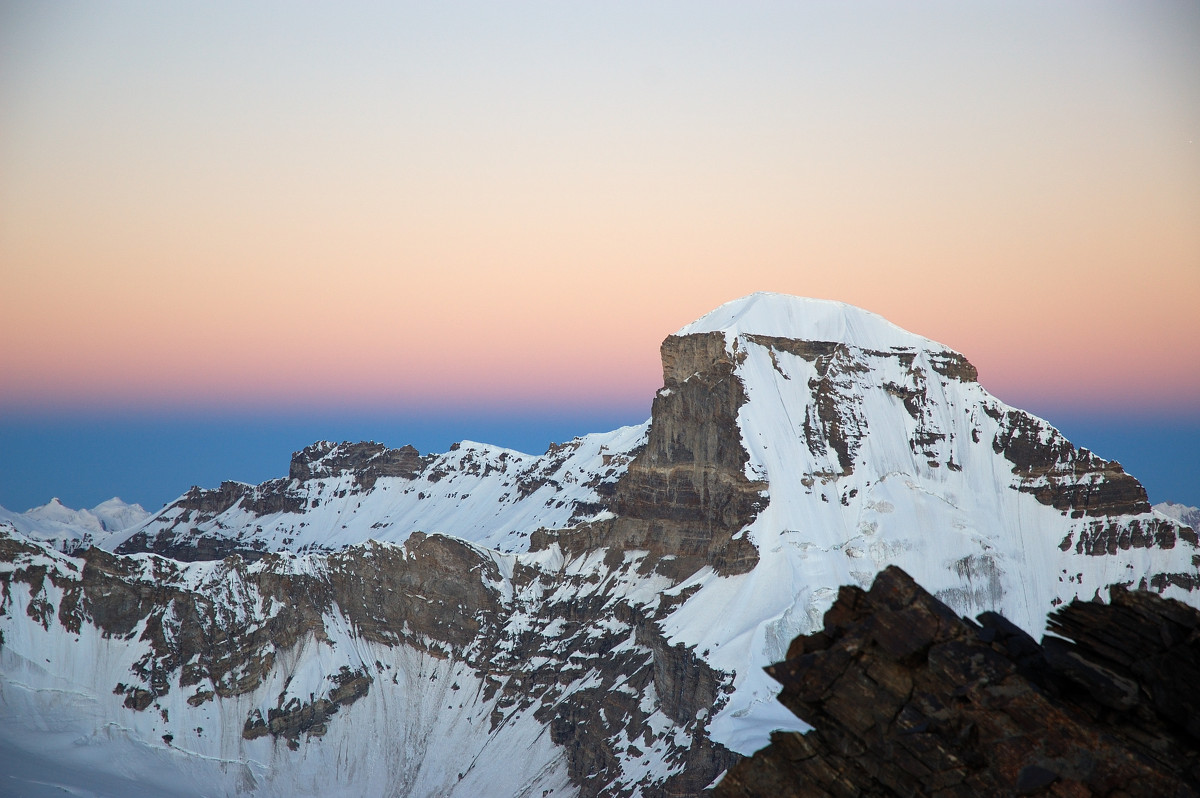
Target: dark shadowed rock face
<point>269,497</point>
<point>1072,480</point>
<point>685,496</point>
<point>908,699</point>
<point>193,546</point>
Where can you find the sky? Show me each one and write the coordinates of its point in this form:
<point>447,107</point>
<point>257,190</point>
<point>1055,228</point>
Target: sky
<point>228,230</point>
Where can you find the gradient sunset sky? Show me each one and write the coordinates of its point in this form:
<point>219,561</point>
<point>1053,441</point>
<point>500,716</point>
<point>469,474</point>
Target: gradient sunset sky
<point>405,221</point>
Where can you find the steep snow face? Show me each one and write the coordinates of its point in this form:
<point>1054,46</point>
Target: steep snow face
<point>67,529</point>
<point>485,494</point>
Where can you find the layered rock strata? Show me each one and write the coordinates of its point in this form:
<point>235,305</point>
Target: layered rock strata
<point>686,497</point>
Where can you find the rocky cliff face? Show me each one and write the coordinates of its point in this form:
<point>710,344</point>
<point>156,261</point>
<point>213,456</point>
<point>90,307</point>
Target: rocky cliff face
<point>906,698</point>
<point>591,621</point>
<point>686,495</point>
<point>367,462</point>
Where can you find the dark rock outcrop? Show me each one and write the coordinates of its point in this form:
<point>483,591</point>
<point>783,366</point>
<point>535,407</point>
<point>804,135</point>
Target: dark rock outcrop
<point>1070,479</point>
<point>269,497</point>
<point>194,546</point>
<point>310,718</point>
<point>908,699</point>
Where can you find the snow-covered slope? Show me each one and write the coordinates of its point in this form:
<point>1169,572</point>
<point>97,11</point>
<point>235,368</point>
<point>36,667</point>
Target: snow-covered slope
<point>67,530</point>
<point>404,715</point>
<point>603,612</point>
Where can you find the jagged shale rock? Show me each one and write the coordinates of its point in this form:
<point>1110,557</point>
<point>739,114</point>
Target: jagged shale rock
<point>908,699</point>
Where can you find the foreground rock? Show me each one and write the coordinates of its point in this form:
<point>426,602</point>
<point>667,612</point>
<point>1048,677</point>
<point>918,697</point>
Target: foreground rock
<point>908,699</point>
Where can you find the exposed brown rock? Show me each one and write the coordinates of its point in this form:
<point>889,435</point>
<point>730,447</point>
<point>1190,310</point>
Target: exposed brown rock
<point>1108,537</point>
<point>435,587</point>
<point>953,365</point>
<point>195,546</point>
<point>907,699</point>
<point>311,718</point>
<point>270,497</point>
<point>686,495</point>
<point>817,352</point>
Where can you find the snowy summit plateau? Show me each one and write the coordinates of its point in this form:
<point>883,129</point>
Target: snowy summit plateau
<point>590,621</point>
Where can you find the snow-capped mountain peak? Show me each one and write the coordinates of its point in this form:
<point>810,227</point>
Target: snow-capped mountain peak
<point>112,515</point>
<point>67,529</point>
<point>116,515</point>
<point>799,318</point>
<point>54,511</point>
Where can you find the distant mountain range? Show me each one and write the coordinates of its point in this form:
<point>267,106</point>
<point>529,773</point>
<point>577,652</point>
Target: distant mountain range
<point>1189,516</point>
<point>71,530</point>
<point>590,621</point>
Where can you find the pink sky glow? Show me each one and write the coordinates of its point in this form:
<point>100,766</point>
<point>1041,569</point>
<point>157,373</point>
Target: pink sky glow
<point>399,207</point>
